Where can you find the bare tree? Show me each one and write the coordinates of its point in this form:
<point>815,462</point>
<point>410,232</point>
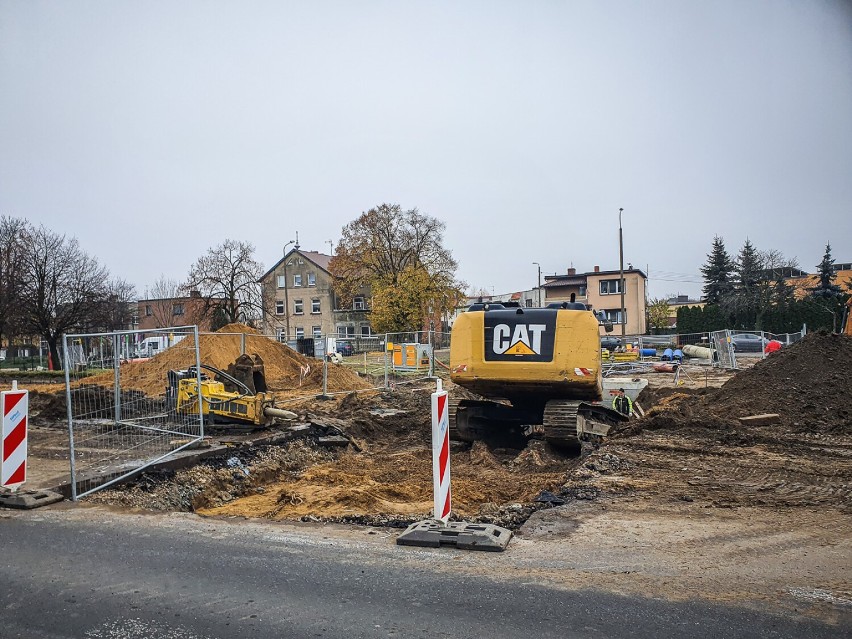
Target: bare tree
<point>116,309</point>
<point>64,288</point>
<point>13,236</point>
<point>228,278</point>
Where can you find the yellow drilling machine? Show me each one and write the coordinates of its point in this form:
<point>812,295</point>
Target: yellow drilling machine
<point>237,397</point>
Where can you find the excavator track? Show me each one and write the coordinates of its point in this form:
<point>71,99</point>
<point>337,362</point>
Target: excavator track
<point>452,411</point>
<point>560,422</point>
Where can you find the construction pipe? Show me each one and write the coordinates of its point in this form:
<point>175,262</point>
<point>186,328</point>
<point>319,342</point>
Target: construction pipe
<point>701,352</point>
<point>270,411</point>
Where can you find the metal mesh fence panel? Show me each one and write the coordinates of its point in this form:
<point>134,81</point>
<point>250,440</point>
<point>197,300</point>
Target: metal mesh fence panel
<point>725,355</point>
<point>120,420</point>
<point>785,338</point>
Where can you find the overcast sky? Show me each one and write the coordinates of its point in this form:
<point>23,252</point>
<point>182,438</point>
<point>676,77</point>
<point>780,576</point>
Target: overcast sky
<point>154,130</point>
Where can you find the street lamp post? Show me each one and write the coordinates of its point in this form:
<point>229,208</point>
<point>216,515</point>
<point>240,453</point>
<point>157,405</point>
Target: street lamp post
<point>621,272</point>
<point>286,296</point>
<point>539,283</point>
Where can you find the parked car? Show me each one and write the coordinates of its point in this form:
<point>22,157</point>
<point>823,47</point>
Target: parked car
<point>748,343</point>
<point>345,347</point>
<point>610,343</point>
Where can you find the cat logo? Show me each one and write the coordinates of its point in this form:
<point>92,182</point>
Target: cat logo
<point>524,340</point>
<point>526,336</point>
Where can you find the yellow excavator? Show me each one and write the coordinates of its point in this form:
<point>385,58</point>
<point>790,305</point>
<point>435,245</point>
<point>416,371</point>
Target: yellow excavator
<point>539,370</point>
<point>236,397</point>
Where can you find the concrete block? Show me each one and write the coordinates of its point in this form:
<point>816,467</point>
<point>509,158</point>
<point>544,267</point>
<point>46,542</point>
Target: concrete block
<point>29,499</point>
<point>461,534</point>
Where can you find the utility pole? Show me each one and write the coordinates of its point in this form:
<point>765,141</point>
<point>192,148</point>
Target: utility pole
<point>286,296</point>
<point>621,271</point>
<point>539,283</point>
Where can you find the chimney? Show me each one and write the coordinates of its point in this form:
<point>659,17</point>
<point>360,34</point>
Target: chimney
<point>597,269</point>
<point>195,293</point>
<point>572,271</point>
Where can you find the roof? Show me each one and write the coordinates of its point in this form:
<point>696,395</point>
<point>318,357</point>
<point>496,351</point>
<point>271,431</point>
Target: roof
<point>320,259</point>
<point>616,272</point>
<point>580,279</point>
<point>564,280</point>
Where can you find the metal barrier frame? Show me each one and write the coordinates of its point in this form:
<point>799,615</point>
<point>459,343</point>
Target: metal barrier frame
<point>117,420</point>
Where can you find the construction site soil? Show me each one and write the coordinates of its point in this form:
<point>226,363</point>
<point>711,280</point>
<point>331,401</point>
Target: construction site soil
<point>690,449</point>
<point>686,502</point>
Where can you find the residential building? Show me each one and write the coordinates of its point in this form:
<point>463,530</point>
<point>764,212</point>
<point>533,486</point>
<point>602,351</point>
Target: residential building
<point>680,301</point>
<point>302,301</point>
<point>602,290</point>
<point>174,311</point>
<point>802,282</point>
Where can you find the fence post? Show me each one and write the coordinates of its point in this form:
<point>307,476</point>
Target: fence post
<point>198,381</point>
<point>242,343</point>
<point>116,363</point>
<point>431,356</point>
<point>325,376</point>
<point>387,343</point>
<point>70,418</point>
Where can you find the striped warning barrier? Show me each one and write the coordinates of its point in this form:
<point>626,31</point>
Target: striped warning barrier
<point>14,405</point>
<point>441,454</point>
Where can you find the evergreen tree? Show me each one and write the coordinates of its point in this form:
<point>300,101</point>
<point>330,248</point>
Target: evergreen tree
<point>826,287</point>
<point>717,273</point>
<point>746,298</point>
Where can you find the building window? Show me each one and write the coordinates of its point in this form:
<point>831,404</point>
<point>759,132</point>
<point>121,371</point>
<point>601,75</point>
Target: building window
<point>282,335</point>
<point>528,302</point>
<point>317,330</point>
<point>315,305</point>
<point>358,303</point>
<point>365,330</point>
<point>345,331</point>
<point>297,280</point>
<point>581,291</point>
<point>613,315</point>
<point>279,307</point>
<point>300,333</point>
<point>148,310</point>
<point>298,307</point>
<point>177,309</point>
<point>312,279</point>
<point>610,287</point>
<point>282,281</point>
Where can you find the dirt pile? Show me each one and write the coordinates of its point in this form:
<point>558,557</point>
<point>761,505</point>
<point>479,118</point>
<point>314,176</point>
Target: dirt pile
<point>807,384</point>
<point>691,448</point>
<point>286,370</point>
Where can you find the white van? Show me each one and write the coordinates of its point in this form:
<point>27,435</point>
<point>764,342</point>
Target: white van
<point>151,346</point>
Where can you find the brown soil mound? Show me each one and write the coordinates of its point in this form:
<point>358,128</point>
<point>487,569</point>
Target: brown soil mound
<point>283,365</point>
<point>807,384</point>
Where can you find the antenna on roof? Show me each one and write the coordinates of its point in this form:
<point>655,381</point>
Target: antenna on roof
<point>330,247</point>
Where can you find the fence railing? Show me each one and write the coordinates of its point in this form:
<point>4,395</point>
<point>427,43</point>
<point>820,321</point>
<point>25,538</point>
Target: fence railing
<point>118,422</point>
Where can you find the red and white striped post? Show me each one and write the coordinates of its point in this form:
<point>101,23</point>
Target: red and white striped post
<point>14,406</point>
<point>441,455</point>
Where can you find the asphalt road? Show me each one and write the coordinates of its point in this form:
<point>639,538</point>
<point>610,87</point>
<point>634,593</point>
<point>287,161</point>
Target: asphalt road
<point>91,573</point>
